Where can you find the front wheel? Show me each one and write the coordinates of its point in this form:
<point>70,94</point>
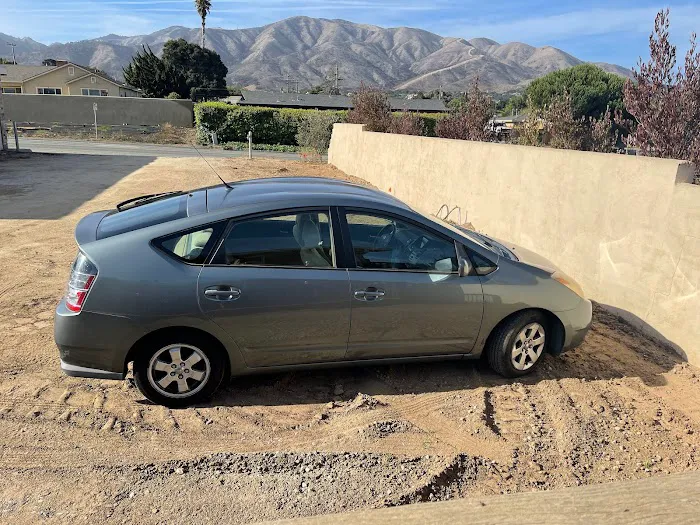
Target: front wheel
<point>516,347</point>
<point>178,371</point>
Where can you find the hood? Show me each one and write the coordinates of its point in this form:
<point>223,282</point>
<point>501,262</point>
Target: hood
<point>523,255</point>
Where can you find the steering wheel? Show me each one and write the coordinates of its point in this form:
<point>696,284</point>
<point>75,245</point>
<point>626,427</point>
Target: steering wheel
<point>384,237</point>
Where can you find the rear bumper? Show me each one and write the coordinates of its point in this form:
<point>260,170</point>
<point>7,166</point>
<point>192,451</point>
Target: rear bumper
<point>576,323</point>
<point>82,371</point>
<point>93,345</point>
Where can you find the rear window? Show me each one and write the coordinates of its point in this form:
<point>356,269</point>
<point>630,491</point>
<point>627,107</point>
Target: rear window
<point>138,217</point>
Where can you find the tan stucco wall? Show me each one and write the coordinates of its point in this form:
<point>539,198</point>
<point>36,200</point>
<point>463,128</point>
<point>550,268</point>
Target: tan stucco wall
<point>627,228</point>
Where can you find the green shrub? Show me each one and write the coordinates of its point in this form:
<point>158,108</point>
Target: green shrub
<point>243,146</point>
<point>314,131</point>
<point>173,96</point>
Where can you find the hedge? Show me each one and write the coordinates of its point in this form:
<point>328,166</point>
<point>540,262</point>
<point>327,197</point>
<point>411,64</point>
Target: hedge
<point>232,123</point>
<point>269,125</point>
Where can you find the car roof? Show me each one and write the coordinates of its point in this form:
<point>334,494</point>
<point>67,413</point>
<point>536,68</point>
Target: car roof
<point>276,189</point>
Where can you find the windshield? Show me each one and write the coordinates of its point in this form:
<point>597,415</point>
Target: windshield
<point>482,240</point>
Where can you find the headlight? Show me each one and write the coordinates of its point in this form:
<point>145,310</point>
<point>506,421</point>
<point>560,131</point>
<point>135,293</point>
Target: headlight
<point>569,283</point>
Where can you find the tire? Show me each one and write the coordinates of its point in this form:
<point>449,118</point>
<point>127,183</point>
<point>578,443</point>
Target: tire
<point>513,344</point>
<point>164,381</point>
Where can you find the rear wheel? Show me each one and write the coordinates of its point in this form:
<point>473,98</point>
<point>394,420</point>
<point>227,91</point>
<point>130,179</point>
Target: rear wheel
<point>178,371</point>
<point>516,347</point>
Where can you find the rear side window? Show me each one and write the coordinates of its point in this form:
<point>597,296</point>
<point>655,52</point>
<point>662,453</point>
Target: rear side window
<point>192,246</point>
<point>138,217</point>
<point>297,240</point>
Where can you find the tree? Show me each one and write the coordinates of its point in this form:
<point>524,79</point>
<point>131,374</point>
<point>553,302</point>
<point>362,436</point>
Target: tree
<point>148,72</point>
<point>184,66</point>
<point>203,8</point>
<point>591,89</point>
<point>5,61</point>
<point>514,105</point>
<point>563,129</point>
<point>371,107</point>
<point>199,67</point>
<point>470,120</point>
<point>666,103</point>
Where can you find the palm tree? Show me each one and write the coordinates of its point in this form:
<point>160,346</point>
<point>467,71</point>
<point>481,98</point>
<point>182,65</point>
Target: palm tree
<point>203,7</point>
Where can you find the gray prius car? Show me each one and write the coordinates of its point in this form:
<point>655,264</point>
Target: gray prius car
<point>286,273</point>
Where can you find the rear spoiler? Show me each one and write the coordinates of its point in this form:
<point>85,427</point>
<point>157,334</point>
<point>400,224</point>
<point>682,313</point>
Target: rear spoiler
<point>86,230</point>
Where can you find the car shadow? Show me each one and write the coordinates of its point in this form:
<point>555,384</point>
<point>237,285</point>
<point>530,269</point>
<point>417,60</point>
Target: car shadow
<point>614,349</point>
<point>50,186</point>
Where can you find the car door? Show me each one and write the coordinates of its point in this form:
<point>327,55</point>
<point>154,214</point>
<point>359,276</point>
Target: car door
<point>273,285</point>
<point>408,297</point>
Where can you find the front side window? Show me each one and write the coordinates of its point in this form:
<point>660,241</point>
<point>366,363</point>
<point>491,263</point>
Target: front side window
<point>12,90</point>
<point>386,243</point>
<point>301,239</point>
<point>48,91</point>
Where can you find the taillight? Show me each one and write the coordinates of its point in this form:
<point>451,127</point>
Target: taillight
<point>83,274</point>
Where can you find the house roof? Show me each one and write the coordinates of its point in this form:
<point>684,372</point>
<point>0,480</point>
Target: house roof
<point>16,73</point>
<point>305,100</point>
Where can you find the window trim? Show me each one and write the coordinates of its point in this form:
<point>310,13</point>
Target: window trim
<point>71,71</point>
<point>218,228</point>
<point>332,224</point>
<point>349,252</point>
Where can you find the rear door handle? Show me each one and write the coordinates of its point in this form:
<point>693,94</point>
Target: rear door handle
<point>370,294</point>
<point>222,293</point>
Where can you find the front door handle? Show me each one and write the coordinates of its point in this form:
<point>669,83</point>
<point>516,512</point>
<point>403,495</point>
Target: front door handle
<point>370,294</point>
<point>222,293</point>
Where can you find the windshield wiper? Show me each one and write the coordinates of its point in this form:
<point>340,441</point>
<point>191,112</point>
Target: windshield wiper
<point>144,199</point>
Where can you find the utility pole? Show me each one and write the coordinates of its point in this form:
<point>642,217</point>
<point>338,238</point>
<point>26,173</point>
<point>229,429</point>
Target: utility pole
<point>13,46</point>
<point>336,85</point>
<point>3,129</point>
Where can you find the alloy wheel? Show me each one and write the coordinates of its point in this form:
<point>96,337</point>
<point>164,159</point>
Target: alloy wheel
<point>178,370</point>
<point>528,346</point>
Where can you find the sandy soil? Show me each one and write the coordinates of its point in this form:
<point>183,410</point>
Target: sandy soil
<point>622,406</point>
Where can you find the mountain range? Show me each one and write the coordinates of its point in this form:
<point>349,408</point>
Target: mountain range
<point>307,49</point>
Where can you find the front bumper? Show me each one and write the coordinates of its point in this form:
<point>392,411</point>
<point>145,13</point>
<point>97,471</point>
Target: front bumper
<point>576,323</point>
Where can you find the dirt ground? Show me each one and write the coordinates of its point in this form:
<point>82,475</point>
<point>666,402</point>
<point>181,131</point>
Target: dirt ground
<point>72,450</point>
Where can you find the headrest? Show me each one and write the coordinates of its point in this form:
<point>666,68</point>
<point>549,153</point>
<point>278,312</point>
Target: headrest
<point>310,234</point>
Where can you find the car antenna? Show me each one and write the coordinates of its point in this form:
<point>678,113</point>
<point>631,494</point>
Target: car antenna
<point>212,168</point>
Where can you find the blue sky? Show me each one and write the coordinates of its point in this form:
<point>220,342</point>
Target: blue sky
<point>612,31</point>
